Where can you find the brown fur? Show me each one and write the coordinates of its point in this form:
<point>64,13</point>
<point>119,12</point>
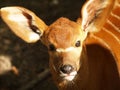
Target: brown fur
<point>96,60</point>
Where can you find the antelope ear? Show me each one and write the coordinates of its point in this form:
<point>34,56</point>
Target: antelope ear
<point>94,14</point>
<point>24,23</point>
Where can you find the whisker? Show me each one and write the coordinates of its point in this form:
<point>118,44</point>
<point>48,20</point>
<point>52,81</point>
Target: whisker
<point>54,68</point>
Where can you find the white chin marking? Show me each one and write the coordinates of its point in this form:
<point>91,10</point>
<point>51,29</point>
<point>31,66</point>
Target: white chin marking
<point>70,76</point>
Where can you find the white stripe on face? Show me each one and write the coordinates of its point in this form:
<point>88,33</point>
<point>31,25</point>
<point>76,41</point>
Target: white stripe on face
<point>65,50</point>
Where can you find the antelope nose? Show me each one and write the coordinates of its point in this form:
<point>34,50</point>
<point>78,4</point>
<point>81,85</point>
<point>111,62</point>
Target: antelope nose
<point>66,69</point>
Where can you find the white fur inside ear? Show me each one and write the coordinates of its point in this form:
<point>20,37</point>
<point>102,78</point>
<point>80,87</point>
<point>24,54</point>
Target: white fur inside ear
<point>85,14</point>
<point>15,14</point>
<point>20,21</point>
<point>91,10</point>
<point>33,37</point>
<point>92,28</point>
<point>17,17</point>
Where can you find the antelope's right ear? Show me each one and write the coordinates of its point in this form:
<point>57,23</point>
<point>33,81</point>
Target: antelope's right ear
<point>24,23</point>
<point>95,13</point>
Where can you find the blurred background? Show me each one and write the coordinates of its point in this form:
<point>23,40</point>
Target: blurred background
<point>30,60</point>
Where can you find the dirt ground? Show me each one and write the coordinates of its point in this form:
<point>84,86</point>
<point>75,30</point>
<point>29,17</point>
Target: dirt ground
<point>32,59</point>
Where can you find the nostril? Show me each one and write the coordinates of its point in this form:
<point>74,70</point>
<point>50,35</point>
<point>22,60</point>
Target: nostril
<point>67,69</point>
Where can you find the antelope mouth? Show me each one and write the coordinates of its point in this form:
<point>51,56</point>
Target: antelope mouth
<point>68,77</point>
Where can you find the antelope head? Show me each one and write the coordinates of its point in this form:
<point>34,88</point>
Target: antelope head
<point>64,38</point>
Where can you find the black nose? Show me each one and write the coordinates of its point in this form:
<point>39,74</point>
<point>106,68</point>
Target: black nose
<point>66,69</point>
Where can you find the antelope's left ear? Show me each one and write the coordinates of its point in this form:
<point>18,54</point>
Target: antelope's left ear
<point>23,22</point>
<point>94,14</point>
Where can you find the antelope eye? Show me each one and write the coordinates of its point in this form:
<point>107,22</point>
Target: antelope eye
<point>51,47</point>
<point>78,43</point>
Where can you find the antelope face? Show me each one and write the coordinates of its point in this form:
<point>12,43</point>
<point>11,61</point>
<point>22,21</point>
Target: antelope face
<point>64,40</point>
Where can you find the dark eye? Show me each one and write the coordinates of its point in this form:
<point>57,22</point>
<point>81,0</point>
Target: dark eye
<point>77,44</point>
<point>51,47</point>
